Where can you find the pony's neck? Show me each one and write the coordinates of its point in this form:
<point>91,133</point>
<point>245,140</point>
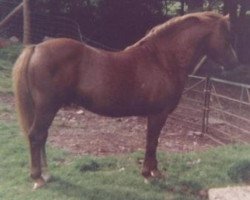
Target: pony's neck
<point>185,48</point>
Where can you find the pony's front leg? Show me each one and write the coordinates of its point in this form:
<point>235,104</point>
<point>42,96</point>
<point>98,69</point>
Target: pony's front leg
<point>154,126</point>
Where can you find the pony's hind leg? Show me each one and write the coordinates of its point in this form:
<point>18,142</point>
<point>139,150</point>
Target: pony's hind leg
<point>45,170</point>
<point>44,116</point>
<point>36,138</point>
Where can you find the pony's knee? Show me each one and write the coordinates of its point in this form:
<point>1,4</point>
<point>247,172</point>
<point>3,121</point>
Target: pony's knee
<point>37,136</point>
<point>35,141</point>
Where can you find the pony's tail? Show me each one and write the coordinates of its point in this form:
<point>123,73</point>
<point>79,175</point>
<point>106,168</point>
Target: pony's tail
<point>23,98</point>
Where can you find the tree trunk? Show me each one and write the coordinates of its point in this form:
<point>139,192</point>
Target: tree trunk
<point>26,23</point>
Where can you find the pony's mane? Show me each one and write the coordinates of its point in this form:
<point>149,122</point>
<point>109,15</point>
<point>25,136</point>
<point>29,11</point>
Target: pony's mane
<point>175,22</point>
<point>178,23</point>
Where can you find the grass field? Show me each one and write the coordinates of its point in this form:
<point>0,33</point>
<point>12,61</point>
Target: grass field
<point>116,177</point>
<point>189,175</point>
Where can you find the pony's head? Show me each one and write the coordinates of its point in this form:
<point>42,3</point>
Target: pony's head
<point>219,44</point>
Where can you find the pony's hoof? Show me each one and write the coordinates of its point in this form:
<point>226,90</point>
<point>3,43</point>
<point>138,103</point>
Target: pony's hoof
<point>152,175</point>
<point>38,183</point>
<point>157,174</point>
<point>46,177</point>
<point>146,181</point>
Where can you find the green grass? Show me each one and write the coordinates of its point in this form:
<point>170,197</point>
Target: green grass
<point>7,58</point>
<point>10,53</point>
<point>5,76</point>
<point>116,177</point>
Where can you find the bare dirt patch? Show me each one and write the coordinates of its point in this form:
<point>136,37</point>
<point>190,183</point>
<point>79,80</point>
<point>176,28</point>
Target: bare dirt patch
<point>230,193</point>
<point>82,132</point>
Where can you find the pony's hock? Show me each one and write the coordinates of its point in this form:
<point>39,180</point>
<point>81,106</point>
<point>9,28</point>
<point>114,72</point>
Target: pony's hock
<point>145,79</point>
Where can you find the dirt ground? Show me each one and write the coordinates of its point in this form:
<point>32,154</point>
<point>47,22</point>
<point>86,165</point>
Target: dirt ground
<point>230,193</point>
<point>81,132</point>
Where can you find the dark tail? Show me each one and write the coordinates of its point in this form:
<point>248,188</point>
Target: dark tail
<point>23,98</point>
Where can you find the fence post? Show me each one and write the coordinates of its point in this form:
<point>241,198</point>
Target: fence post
<point>26,22</point>
<point>207,95</point>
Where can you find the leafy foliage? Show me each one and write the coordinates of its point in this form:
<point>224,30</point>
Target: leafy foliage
<point>7,58</point>
<point>107,21</point>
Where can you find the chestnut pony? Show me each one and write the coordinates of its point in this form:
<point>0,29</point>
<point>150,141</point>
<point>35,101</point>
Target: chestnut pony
<point>145,79</point>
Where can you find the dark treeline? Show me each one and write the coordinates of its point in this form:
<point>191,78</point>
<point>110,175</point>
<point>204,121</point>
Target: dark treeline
<point>114,23</point>
<point>119,23</point>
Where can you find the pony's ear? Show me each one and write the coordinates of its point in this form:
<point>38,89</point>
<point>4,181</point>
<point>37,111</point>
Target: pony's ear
<point>226,20</point>
<point>226,17</point>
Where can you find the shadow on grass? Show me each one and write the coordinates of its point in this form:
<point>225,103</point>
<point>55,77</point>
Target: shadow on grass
<point>90,192</point>
<point>240,171</point>
<point>182,190</point>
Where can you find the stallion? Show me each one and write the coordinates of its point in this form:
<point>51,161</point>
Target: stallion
<point>145,79</point>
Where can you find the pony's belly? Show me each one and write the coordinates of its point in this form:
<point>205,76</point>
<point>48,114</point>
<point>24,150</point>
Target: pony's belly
<point>121,109</point>
<point>129,105</point>
<point>123,112</point>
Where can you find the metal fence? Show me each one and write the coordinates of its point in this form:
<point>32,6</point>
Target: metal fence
<point>217,109</point>
<point>230,110</point>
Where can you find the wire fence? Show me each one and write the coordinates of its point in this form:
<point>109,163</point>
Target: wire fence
<point>42,26</point>
<point>230,110</point>
<point>14,26</point>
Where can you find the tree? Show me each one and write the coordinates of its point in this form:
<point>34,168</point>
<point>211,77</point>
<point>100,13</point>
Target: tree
<point>124,21</point>
<point>194,5</point>
<point>26,22</point>
<point>240,26</point>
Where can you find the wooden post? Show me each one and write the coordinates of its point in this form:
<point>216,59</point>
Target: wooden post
<point>26,23</point>
<point>207,95</point>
